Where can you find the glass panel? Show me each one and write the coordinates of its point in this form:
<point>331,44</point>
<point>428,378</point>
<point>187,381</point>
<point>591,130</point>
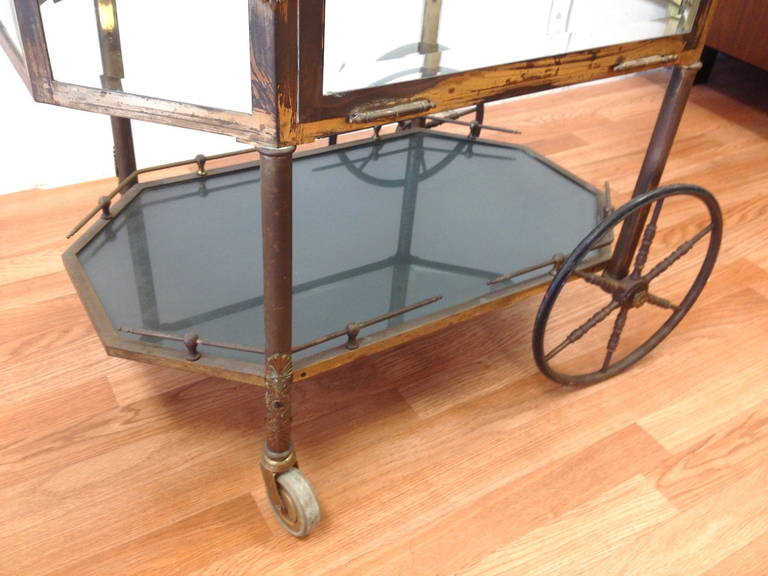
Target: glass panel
<point>187,52</point>
<point>412,39</point>
<point>377,227</point>
<point>8,22</point>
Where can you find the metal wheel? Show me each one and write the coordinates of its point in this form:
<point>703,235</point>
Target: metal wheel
<point>640,304</point>
<point>298,509</point>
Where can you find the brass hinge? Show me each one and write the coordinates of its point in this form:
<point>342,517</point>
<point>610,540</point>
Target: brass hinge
<point>647,61</point>
<point>391,112</point>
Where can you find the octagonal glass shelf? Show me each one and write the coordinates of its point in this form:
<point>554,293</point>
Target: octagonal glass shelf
<point>412,226</point>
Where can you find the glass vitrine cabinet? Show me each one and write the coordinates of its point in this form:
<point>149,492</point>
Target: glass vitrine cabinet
<point>274,271</point>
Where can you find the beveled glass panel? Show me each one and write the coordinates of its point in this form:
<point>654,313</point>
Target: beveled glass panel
<point>193,52</point>
<point>408,39</point>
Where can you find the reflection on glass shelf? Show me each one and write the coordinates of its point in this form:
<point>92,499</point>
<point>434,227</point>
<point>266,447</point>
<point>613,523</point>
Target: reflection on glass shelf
<point>187,52</point>
<point>377,227</point>
<point>413,39</point>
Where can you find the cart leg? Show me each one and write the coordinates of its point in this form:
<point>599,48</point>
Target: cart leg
<point>290,494</point>
<point>108,28</point>
<point>656,157</point>
<point>125,157</point>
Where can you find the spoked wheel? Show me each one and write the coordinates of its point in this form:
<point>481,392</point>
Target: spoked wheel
<point>298,509</point>
<point>631,313</point>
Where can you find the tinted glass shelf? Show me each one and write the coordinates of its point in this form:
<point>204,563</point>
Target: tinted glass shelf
<point>378,226</point>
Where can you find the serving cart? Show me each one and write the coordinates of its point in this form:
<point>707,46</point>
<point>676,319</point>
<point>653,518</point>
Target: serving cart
<point>352,248</point>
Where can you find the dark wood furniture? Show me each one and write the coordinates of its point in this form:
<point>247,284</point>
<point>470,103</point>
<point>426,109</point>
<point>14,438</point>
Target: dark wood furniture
<point>740,29</point>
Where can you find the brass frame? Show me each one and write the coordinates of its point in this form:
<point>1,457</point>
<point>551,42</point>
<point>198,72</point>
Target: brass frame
<point>288,104</point>
<point>258,126</point>
<point>321,114</point>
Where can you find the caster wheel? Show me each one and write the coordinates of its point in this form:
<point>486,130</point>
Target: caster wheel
<point>298,510</point>
<point>592,325</point>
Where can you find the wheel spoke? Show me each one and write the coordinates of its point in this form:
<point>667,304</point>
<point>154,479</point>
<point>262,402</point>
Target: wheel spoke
<point>648,236</point>
<point>613,341</point>
<point>604,282</point>
<point>679,252</point>
<point>582,330</point>
<point>661,302</point>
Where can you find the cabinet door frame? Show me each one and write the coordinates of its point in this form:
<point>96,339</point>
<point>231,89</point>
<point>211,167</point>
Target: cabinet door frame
<point>322,114</point>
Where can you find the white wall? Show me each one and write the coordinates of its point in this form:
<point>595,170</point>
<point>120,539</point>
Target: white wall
<point>41,145</point>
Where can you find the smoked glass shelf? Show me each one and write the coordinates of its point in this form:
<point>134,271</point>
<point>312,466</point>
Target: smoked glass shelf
<point>420,221</point>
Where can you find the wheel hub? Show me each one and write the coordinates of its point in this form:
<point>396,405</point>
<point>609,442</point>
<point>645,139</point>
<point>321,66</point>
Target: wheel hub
<point>634,294</point>
<point>287,510</point>
<point>638,296</point>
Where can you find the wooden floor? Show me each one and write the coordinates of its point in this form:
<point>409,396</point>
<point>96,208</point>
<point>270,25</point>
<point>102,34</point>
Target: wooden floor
<point>450,455</point>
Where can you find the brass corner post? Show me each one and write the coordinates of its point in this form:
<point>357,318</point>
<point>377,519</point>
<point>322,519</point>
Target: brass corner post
<point>667,124</point>
<point>277,234</point>
<point>111,50</point>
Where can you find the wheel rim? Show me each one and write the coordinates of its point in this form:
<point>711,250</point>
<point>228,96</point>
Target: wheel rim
<point>288,512</point>
<point>633,292</point>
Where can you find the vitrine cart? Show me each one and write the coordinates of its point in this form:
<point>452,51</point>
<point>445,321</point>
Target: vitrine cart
<point>354,248</point>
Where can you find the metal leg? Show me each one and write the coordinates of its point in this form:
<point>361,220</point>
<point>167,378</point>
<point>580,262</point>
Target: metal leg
<point>290,494</point>
<point>108,28</point>
<point>125,157</point>
<point>668,122</point>
<point>277,233</point>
